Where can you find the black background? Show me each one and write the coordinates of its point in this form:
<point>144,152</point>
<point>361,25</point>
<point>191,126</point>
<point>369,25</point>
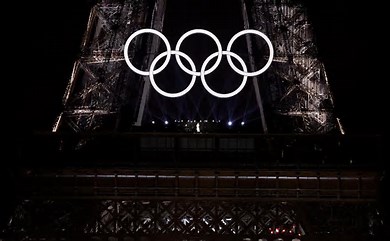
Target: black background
<point>44,41</point>
<point>349,36</point>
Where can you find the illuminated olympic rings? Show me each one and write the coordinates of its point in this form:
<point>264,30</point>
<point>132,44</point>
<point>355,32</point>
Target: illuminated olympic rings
<point>203,71</point>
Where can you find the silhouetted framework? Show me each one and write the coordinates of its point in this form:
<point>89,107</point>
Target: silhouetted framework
<point>190,220</point>
<point>177,187</point>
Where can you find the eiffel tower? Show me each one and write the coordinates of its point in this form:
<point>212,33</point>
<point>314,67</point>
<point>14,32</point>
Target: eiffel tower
<point>126,163</point>
<point>294,95</point>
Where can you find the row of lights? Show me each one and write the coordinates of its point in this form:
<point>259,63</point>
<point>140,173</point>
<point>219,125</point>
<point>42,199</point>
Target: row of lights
<point>280,230</point>
<point>229,123</point>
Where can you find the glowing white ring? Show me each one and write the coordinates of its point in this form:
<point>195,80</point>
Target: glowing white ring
<point>160,91</point>
<point>271,52</point>
<point>216,94</point>
<point>201,31</point>
<point>202,72</point>
<point>135,34</point>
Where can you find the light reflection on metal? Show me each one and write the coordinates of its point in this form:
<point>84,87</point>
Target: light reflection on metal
<point>296,85</point>
<point>340,126</point>
<point>98,88</point>
<point>154,218</point>
<point>184,219</point>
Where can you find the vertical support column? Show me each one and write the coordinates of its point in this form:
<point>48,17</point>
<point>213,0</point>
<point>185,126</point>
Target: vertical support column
<point>252,68</point>
<point>156,23</point>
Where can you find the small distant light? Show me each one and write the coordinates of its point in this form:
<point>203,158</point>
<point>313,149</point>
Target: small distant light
<point>175,121</point>
<point>212,121</point>
<point>230,123</point>
<point>153,122</point>
<point>242,123</point>
<point>206,121</point>
<point>166,122</point>
<point>277,230</point>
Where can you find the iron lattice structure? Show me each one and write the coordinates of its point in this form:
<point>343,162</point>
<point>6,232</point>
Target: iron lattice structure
<point>149,218</point>
<point>186,220</point>
<point>297,90</point>
<point>293,97</point>
<point>99,86</point>
<point>212,194</point>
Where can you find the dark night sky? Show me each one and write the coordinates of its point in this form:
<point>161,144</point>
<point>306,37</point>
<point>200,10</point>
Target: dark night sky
<point>45,42</point>
<point>347,35</point>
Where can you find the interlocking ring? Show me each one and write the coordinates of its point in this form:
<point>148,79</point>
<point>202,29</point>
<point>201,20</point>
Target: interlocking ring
<point>216,94</point>
<point>135,34</point>
<point>151,75</point>
<point>271,52</point>
<point>201,31</point>
<point>203,72</point>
